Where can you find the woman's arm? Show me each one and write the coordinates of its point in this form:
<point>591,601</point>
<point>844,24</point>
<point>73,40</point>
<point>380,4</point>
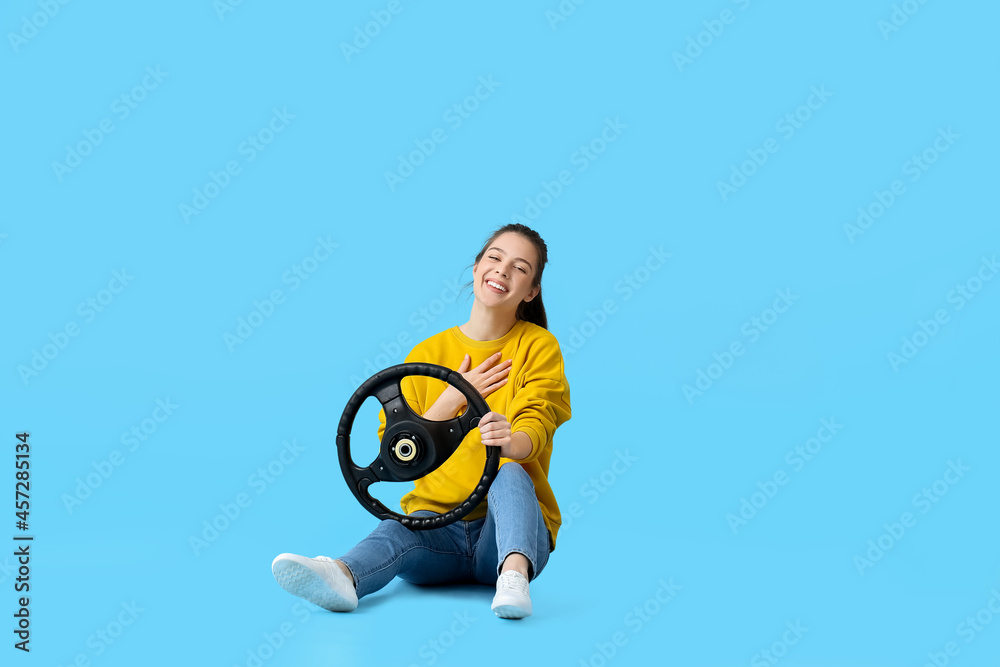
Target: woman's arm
<point>445,407</point>
<point>541,404</point>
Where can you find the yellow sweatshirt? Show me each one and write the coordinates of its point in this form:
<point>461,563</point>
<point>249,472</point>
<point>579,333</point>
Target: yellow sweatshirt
<point>535,400</point>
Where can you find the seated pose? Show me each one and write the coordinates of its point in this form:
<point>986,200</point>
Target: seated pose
<point>507,353</point>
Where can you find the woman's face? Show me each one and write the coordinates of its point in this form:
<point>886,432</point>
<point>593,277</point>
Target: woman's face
<point>503,276</point>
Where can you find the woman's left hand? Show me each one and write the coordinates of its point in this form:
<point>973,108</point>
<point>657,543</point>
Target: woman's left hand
<point>495,431</point>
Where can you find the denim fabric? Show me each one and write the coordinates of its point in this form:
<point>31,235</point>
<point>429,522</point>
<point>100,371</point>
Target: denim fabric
<point>464,551</point>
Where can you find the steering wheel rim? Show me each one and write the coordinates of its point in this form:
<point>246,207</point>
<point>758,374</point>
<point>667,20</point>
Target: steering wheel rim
<point>412,446</point>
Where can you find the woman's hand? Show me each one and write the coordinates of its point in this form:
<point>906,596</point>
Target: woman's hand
<point>487,377</point>
<point>494,430</point>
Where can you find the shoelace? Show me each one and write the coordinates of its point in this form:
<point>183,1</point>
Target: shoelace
<point>326,558</point>
<point>512,581</point>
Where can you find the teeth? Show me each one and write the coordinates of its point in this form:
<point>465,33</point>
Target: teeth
<point>496,285</point>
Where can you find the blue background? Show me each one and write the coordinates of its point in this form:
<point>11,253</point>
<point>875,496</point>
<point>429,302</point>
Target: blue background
<point>682,128</point>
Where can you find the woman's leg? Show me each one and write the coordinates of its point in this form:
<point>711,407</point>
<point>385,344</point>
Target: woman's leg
<point>514,526</point>
<point>425,556</point>
<point>417,556</point>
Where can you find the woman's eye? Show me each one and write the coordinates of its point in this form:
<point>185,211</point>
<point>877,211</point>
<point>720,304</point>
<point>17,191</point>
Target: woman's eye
<point>521,270</point>
<point>494,257</point>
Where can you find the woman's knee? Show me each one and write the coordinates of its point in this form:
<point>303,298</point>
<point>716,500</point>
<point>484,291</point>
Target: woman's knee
<point>512,473</point>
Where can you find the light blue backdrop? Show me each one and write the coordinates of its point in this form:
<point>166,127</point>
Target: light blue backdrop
<point>773,238</point>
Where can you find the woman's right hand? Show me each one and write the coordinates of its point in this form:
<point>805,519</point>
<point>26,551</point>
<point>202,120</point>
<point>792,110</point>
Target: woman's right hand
<point>487,377</point>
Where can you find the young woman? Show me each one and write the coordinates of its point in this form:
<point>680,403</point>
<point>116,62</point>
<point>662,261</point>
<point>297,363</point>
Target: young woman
<point>506,352</point>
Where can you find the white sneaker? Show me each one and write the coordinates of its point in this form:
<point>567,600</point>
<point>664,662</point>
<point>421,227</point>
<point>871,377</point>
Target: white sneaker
<point>511,600</point>
<point>318,580</point>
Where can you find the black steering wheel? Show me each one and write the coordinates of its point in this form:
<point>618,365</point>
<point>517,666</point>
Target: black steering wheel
<point>412,446</point>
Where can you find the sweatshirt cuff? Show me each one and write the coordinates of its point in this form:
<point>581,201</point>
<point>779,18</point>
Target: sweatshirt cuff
<point>536,442</point>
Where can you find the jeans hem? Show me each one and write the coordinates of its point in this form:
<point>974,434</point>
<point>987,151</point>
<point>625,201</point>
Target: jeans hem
<point>532,572</point>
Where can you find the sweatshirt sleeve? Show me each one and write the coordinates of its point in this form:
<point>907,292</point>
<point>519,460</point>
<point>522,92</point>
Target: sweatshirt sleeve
<point>541,403</point>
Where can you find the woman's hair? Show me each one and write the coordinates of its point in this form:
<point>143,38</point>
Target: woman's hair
<point>534,310</point>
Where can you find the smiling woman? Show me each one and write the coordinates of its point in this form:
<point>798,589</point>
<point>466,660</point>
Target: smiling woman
<point>501,261</point>
<point>506,352</point>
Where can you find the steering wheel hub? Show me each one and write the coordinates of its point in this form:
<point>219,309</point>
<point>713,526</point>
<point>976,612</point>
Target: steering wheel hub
<point>405,448</point>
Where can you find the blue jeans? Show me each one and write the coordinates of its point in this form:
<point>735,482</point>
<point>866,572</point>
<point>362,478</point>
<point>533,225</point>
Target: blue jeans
<point>464,551</point>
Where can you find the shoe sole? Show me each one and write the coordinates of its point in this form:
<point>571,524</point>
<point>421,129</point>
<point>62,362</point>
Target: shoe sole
<point>511,611</point>
<point>303,582</point>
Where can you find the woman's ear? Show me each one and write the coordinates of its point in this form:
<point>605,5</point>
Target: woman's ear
<point>533,293</point>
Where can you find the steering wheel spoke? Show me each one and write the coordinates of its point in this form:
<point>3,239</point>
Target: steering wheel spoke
<point>369,475</point>
<point>467,421</point>
<point>387,390</point>
<point>398,410</point>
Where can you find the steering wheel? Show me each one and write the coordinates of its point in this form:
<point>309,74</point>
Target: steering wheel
<point>412,446</point>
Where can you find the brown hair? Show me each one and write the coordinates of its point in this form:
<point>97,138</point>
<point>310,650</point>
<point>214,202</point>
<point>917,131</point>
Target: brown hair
<point>533,311</point>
